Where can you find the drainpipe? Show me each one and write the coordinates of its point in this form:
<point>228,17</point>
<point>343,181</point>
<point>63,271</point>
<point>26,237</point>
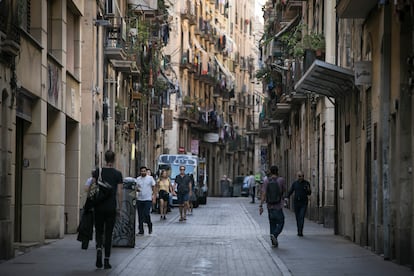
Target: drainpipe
<point>384,111</point>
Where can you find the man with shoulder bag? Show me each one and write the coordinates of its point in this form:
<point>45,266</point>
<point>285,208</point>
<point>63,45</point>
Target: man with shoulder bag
<point>302,190</point>
<point>107,208</point>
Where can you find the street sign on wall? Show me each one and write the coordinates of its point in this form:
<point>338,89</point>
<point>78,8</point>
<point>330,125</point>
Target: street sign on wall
<point>363,72</point>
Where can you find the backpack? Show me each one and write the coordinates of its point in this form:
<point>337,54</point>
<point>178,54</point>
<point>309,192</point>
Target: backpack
<point>273,191</point>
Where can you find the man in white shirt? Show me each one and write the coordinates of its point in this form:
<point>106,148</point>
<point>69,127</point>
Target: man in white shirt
<point>146,190</point>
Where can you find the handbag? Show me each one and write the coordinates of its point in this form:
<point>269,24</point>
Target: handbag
<point>99,190</point>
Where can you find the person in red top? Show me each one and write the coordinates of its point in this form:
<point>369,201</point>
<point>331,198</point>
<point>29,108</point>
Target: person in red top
<point>275,211</point>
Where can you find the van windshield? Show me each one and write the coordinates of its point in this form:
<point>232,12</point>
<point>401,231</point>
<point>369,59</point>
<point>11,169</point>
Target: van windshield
<point>175,170</point>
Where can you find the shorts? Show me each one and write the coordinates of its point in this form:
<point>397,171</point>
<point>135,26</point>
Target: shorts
<point>162,194</point>
<point>181,198</point>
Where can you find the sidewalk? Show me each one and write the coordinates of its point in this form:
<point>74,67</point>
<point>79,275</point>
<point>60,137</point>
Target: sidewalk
<point>320,252</point>
<point>225,237</point>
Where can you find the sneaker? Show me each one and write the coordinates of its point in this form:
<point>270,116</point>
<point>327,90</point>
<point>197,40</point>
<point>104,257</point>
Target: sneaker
<point>274,241</point>
<point>107,265</point>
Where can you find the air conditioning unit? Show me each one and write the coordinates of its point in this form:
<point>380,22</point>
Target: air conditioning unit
<point>126,115</point>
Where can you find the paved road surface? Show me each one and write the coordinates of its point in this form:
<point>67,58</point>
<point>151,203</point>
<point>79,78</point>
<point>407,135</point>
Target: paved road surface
<point>225,237</point>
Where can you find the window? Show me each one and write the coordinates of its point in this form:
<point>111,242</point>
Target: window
<point>24,14</point>
<point>72,42</point>
<point>54,28</point>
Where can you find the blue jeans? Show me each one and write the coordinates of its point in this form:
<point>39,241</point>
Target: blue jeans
<point>143,208</point>
<point>300,211</point>
<point>276,221</point>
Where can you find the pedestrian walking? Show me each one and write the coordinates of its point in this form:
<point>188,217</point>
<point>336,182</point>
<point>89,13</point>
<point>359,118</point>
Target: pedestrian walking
<point>192,198</point>
<point>164,189</point>
<point>302,190</point>
<point>252,186</point>
<point>107,210</point>
<point>225,180</point>
<point>183,185</point>
<point>273,189</point>
<point>154,206</point>
<point>146,191</point>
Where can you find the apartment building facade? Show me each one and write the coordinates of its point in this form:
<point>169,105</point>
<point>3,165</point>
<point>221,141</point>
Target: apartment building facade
<point>41,115</point>
<point>211,55</point>
<point>345,116</point>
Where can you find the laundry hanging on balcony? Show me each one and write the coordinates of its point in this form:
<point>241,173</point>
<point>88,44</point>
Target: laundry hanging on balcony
<point>229,82</point>
<point>203,58</point>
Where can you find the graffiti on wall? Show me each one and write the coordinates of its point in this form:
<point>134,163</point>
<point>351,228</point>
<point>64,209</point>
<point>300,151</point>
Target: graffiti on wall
<point>53,83</point>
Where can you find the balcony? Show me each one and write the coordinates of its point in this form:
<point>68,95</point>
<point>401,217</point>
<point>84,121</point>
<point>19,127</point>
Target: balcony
<point>9,31</point>
<point>186,62</point>
<point>114,43</point>
<point>208,79</point>
<point>232,109</point>
<point>277,110</point>
<point>155,107</point>
<point>241,101</point>
<point>207,121</point>
<point>236,59</point>
<point>250,128</point>
<point>238,144</point>
<point>125,66</point>
<point>188,113</point>
<point>188,13</point>
<point>243,64</point>
<point>265,129</point>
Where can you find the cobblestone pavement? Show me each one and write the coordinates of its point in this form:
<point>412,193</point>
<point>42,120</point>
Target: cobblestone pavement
<point>225,237</point>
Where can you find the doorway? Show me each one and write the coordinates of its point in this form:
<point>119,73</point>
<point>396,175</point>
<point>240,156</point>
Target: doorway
<point>18,197</point>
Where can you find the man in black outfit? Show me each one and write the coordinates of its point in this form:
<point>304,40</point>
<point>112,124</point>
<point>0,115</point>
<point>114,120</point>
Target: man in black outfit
<point>183,184</point>
<point>302,190</point>
<point>107,210</point>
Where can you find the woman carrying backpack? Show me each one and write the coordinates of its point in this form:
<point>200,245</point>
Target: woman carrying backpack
<point>302,190</point>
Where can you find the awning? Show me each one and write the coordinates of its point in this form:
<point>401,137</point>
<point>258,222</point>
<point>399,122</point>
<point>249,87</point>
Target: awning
<point>231,45</point>
<point>355,8</point>
<point>224,69</point>
<point>170,83</point>
<point>198,46</point>
<point>287,27</point>
<point>326,79</point>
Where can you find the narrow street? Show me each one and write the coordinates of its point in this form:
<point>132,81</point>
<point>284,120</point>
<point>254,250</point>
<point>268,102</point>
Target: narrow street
<point>225,237</point>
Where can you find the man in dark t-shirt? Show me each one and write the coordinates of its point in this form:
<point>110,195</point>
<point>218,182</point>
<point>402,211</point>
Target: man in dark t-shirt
<point>183,184</point>
<point>106,211</point>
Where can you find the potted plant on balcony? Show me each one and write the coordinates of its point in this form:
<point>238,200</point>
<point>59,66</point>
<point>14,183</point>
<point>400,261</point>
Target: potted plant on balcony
<point>315,41</point>
<point>292,41</point>
<point>187,102</point>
